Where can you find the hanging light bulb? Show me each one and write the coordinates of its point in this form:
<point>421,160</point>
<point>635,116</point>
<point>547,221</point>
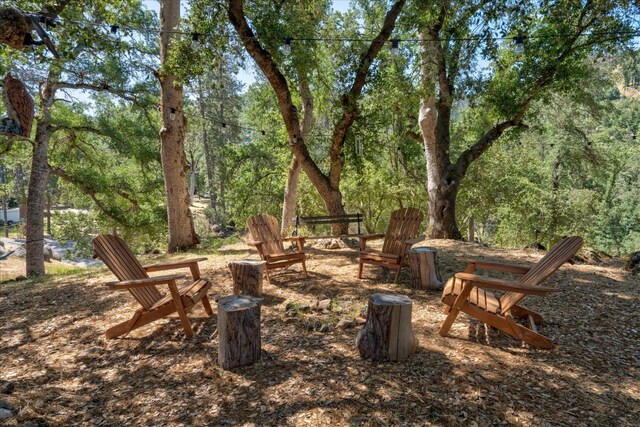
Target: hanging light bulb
<point>43,22</point>
<point>114,29</point>
<point>224,127</point>
<point>195,40</point>
<point>395,44</point>
<point>518,48</point>
<point>172,114</point>
<point>263,133</point>
<point>287,46</point>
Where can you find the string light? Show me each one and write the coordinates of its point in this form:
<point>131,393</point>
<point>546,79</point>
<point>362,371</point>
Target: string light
<point>518,48</point>
<point>395,44</point>
<point>287,46</point>
<point>195,39</point>
<point>172,114</point>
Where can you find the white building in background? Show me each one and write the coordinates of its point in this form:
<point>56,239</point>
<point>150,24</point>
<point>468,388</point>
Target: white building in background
<point>13,215</point>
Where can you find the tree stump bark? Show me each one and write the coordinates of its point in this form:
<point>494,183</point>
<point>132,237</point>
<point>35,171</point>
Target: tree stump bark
<point>239,342</point>
<point>387,334</point>
<point>424,268</point>
<point>247,276</point>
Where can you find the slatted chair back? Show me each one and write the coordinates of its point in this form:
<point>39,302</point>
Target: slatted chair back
<point>266,229</point>
<point>116,255</point>
<point>552,261</point>
<point>403,225</point>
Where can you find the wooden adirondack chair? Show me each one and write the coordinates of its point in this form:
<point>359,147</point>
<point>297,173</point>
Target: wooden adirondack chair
<point>401,232</point>
<point>265,232</point>
<point>467,292</point>
<point>132,276</point>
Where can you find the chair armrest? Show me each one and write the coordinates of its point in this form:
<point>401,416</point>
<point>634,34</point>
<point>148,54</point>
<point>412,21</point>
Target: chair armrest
<point>298,239</point>
<point>254,243</point>
<point>173,265</point>
<point>149,281</point>
<point>504,285</point>
<point>363,239</point>
<point>414,241</point>
<point>497,266</point>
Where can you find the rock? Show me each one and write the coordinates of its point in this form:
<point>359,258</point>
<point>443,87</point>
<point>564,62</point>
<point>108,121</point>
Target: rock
<point>325,328</point>
<point>351,242</point>
<point>346,324</point>
<point>633,264</point>
<point>537,246</point>
<point>20,252</point>
<point>7,410</point>
<point>56,255</point>
<point>20,278</point>
<point>2,250</point>
<point>47,252</point>
<point>6,387</point>
<point>331,244</point>
<point>360,321</point>
<point>215,228</point>
<point>38,422</point>
<point>325,304</point>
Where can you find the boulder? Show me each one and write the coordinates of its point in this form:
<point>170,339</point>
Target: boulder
<point>633,264</point>
<point>7,410</point>
<point>48,253</point>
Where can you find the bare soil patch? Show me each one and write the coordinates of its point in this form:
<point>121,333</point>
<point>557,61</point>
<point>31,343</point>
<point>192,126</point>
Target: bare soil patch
<point>65,372</point>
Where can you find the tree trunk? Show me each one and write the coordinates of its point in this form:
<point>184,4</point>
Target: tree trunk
<point>423,262</point>
<point>36,199</point>
<point>442,181</point>
<point>238,331</point>
<point>290,195</point>
<point>206,146</point>
<point>38,179</point>
<point>471,229</point>
<point>182,234</point>
<point>388,334</point>
<point>247,276</point>
<point>4,202</point>
<point>327,185</point>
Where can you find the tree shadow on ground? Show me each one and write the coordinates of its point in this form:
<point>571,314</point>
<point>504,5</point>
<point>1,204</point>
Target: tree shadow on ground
<point>66,372</point>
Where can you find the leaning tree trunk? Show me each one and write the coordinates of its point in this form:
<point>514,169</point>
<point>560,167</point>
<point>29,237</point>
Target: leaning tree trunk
<point>182,234</point>
<point>290,194</point>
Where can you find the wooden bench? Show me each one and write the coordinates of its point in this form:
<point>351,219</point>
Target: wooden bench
<point>314,221</point>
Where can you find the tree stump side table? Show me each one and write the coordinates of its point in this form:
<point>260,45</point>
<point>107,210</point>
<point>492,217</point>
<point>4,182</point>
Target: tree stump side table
<point>423,262</point>
<point>387,334</point>
<point>247,276</point>
<point>239,341</point>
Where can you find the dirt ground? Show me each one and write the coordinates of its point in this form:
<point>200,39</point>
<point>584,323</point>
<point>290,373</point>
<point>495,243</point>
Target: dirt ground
<point>65,372</point>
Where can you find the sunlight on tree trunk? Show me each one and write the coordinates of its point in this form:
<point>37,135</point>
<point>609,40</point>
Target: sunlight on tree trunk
<point>182,234</point>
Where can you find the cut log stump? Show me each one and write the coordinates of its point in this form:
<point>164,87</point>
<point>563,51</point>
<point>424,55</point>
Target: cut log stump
<point>387,334</point>
<point>239,342</point>
<point>424,268</point>
<point>247,276</point>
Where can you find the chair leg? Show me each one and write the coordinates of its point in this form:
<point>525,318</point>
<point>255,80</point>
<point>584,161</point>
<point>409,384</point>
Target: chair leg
<point>207,305</point>
<point>455,309</point>
<point>395,280</point>
<point>177,300</point>
<point>360,270</point>
<point>266,272</point>
<point>304,268</point>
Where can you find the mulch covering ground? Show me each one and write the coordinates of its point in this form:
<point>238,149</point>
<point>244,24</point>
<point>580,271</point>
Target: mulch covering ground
<point>52,348</point>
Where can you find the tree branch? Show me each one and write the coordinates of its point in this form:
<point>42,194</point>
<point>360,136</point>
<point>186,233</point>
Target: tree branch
<point>98,88</point>
<point>278,82</point>
<point>349,99</point>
